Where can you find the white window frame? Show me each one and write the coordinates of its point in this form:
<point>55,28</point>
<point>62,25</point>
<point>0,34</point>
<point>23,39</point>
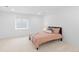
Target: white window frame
<point>27,24</point>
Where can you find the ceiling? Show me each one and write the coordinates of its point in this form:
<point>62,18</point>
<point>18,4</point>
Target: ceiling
<point>30,9</point>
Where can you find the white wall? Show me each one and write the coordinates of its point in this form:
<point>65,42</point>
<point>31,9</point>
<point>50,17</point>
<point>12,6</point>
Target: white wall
<point>7,24</point>
<point>50,20</point>
<point>68,18</point>
<point>36,23</point>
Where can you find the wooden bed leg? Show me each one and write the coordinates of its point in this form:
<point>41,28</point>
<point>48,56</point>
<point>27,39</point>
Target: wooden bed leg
<point>29,37</point>
<point>61,39</point>
<point>37,48</point>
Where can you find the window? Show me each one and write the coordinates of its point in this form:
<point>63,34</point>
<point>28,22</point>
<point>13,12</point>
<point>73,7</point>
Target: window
<point>21,23</point>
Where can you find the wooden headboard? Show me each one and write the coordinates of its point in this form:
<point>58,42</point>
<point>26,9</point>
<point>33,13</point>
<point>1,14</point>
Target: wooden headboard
<point>50,28</point>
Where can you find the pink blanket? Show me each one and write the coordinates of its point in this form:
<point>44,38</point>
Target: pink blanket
<point>43,37</point>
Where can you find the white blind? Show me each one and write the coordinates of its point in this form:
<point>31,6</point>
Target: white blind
<point>21,23</point>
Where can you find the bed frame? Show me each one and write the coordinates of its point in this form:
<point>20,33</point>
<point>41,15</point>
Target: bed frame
<point>50,28</point>
<point>60,32</point>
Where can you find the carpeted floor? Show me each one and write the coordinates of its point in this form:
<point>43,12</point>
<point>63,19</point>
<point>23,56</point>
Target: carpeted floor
<point>23,44</point>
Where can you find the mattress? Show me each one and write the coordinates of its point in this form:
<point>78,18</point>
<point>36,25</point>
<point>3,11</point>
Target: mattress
<point>42,37</point>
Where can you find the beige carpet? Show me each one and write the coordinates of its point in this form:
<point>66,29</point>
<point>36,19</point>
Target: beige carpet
<point>22,44</point>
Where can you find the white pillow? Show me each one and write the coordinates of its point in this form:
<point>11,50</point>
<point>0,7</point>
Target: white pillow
<point>56,30</point>
<point>48,31</point>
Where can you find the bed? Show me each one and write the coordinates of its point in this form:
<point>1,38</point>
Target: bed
<point>53,33</point>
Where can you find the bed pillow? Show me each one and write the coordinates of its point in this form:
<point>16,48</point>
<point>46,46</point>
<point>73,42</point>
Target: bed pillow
<point>56,30</point>
<point>48,31</point>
